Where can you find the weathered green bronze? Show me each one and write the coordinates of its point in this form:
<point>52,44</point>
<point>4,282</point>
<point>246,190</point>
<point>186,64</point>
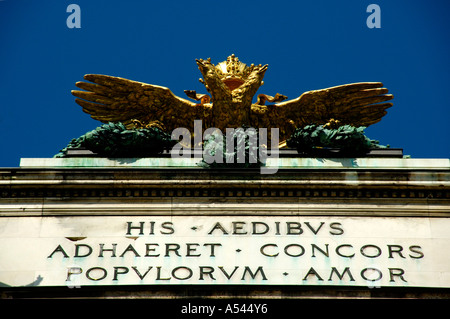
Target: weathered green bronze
<point>215,146</point>
<point>349,139</point>
<point>114,140</point>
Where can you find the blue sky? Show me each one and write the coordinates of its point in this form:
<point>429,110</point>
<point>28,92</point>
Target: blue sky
<point>307,44</point>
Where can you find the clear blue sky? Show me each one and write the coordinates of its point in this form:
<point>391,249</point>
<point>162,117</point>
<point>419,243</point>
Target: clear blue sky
<point>307,44</point>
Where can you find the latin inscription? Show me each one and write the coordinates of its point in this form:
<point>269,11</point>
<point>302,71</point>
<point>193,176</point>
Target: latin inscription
<point>224,250</point>
<point>77,251</point>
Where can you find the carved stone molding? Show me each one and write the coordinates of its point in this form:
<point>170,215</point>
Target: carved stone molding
<point>118,191</point>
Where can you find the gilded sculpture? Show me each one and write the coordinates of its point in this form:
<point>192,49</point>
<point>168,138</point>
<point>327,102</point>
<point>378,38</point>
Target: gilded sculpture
<point>232,86</point>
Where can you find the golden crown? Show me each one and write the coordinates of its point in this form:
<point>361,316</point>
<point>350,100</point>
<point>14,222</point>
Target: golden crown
<point>233,72</point>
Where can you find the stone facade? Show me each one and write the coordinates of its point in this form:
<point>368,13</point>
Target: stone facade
<point>377,189</point>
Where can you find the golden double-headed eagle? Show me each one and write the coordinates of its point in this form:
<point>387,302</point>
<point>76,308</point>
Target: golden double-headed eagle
<point>232,86</point>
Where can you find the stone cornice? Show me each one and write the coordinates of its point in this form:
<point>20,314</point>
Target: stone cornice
<point>178,191</point>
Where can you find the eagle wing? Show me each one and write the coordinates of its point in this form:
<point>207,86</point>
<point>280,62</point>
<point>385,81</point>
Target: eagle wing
<point>357,104</point>
<point>114,99</point>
